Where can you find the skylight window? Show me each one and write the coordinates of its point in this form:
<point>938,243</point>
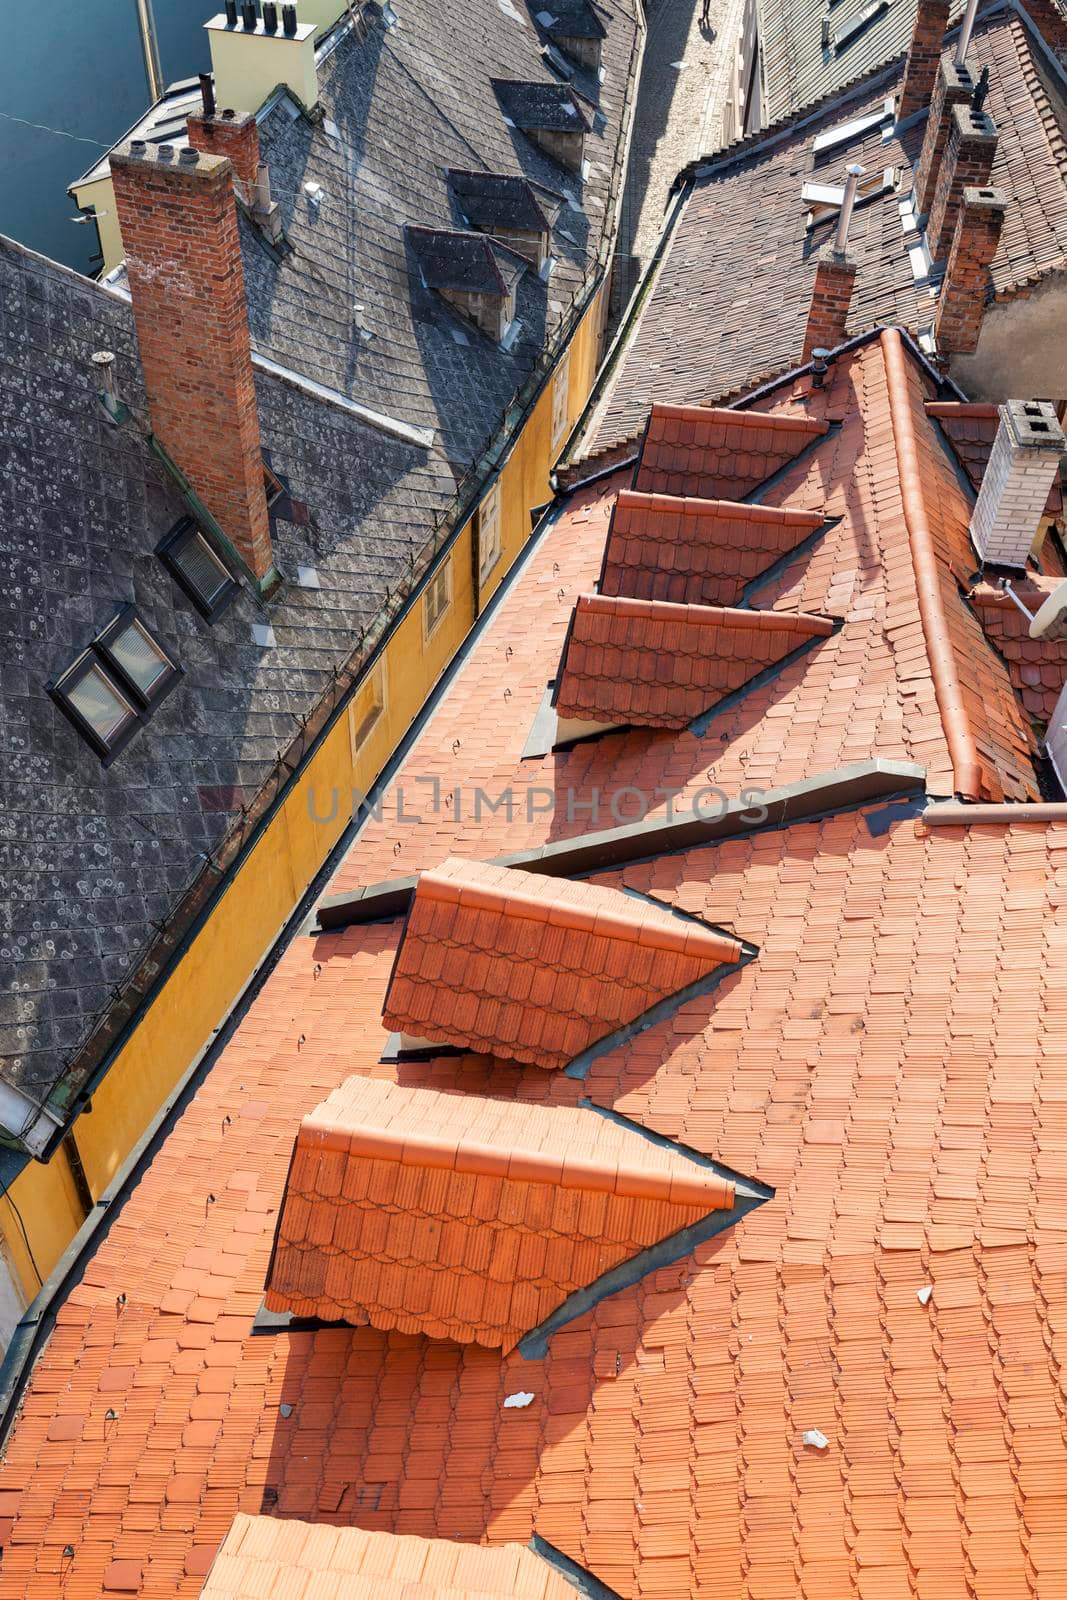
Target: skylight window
<point>197,569</point>
<point>115,685</point>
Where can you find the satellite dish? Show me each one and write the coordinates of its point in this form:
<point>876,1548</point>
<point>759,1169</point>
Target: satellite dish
<point>1052,611</point>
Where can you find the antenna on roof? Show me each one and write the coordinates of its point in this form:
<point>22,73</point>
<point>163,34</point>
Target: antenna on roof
<point>854,173</point>
<point>963,43</point>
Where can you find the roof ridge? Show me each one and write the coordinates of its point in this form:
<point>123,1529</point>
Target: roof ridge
<point>689,938</point>
<point>625,1179</point>
<point>766,621</point>
<point>948,692</point>
<point>726,510</point>
<point>778,421</point>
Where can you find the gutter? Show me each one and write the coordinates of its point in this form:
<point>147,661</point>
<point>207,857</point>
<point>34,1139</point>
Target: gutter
<point>948,691</point>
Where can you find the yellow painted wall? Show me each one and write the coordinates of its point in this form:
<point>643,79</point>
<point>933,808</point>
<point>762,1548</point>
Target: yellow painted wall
<point>100,196</point>
<point>249,66</point>
<point>244,924</point>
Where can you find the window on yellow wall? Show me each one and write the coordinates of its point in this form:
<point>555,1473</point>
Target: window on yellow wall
<point>438,597</point>
<point>489,533</point>
<point>368,705</point>
<point>560,394</point>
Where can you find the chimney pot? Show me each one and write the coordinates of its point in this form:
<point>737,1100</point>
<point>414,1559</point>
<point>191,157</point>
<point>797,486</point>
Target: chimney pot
<point>820,362</point>
<point>207,94</point>
<point>189,156</point>
<point>248,15</point>
<point>165,152</point>
<point>1022,467</point>
<point>289,19</point>
<point>270,16</point>
<point>138,147</point>
<point>231,13</point>
<point>104,362</point>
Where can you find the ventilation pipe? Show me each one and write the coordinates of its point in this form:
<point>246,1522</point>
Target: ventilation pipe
<point>844,217</point>
<point>963,43</point>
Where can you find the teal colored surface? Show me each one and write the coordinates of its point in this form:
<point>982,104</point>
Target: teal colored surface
<point>76,65</point>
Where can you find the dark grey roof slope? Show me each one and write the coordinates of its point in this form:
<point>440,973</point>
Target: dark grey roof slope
<point>798,70</point>
<point>493,200</point>
<point>548,106</point>
<point>469,262</point>
<point>91,858</point>
<point>400,109</point>
<point>730,301</point>
<point>572,19</point>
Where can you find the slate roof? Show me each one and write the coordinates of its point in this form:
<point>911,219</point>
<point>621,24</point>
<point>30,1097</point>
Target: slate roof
<point>693,551</point>
<point>889,1069</point>
<point>467,1218</point>
<point>498,200</point>
<point>657,664</point>
<point>95,861</point>
<point>92,856</point>
<point>734,289</point>
<point>548,107</point>
<point>262,1556</point>
<point>467,262</point>
<point>496,959</point>
<point>400,109</point>
<point>574,19</point>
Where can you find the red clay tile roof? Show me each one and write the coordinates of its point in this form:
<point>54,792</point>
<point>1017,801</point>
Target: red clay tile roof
<point>718,454</point>
<point>465,1218</point>
<point>695,552</point>
<point>971,428</point>
<point>733,290</point>
<point>265,1558</point>
<point>893,1065</point>
<point>534,969</point>
<point>654,664</point>
<point>1038,667</point>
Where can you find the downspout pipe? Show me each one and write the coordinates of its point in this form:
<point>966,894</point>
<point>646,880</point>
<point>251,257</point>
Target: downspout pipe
<point>948,691</point>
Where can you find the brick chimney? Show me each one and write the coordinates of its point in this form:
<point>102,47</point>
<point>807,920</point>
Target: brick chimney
<point>965,290</point>
<point>183,257</point>
<point>831,295</point>
<point>924,57</point>
<point>953,86</point>
<point>968,160</point>
<point>233,134</point>
<point>1026,456</point>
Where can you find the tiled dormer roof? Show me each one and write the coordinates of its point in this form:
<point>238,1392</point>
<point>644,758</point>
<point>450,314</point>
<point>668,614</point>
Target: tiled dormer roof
<point>491,200</point>
<point>573,19</point>
<point>286,1558</point>
<point>517,965</point>
<point>715,453</point>
<point>695,552</point>
<point>1037,667</point>
<point>466,1218</point>
<point>656,664</point>
<point>468,263</point>
<point>542,107</point>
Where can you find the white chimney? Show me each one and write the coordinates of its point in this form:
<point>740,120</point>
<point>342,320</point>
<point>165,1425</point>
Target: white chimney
<point>1025,458</point>
<point>251,55</point>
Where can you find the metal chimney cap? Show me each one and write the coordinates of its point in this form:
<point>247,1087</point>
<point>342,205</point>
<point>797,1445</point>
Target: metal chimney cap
<point>856,170</point>
<point>102,358</point>
<point>138,147</point>
<point>189,156</point>
<point>165,151</point>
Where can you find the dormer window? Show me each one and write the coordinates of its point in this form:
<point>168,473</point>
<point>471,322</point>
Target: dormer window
<point>197,569</point>
<point>115,684</point>
<point>475,274</point>
<point>520,213</point>
<point>550,115</point>
<point>575,27</point>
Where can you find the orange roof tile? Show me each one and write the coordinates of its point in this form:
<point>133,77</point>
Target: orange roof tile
<point>535,969</point>
<point>695,552</point>
<point>971,428</point>
<point>658,665</point>
<point>718,454</point>
<point>1038,667</point>
<point>466,1218</point>
<point>267,1558</point>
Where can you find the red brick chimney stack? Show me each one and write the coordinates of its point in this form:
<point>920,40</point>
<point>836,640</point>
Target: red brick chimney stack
<point>968,161</point>
<point>233,134</point>
<point>831,296</point>
<point>924,57</point>
<point>965,290</point>
<point>953,86</point>
<point>178,218</point>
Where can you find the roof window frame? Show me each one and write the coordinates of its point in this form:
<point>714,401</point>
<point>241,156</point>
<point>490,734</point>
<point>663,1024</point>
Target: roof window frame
<point>99,658</point>
<point>146,699</point>
<point>185,531</point>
